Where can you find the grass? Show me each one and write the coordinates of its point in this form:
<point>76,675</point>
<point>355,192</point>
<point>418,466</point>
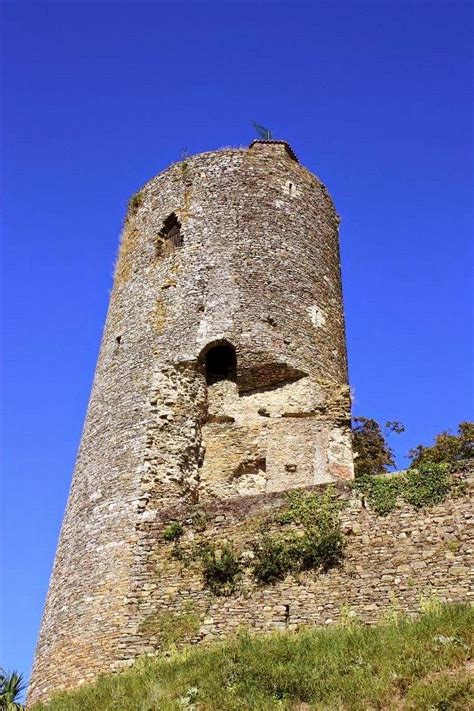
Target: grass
<point>171,629</point>
<point>420,664</point>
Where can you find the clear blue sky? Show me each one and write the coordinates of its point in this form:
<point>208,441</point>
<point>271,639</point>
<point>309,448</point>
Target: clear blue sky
<point>98,97</point>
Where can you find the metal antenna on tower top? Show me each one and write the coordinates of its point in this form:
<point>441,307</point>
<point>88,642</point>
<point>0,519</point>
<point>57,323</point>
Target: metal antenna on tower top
<point>262,132</point>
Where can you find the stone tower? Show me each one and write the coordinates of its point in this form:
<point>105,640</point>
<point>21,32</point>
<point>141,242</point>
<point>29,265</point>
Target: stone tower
<point>221,377</point>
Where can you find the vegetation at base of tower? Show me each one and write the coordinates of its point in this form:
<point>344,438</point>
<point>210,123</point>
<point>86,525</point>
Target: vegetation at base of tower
<point>173,531</point>
<point>427,485</point>
<point>399,663</point>
<point>11,688</point>
<point>135,202</point>
<point>372,453</point>
<point>447,447</point>
<point>221,567</point>
<point>313,541</point>
<point>171,628</point>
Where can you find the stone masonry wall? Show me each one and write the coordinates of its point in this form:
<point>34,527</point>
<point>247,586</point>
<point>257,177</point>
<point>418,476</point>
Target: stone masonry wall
<point>255,265</point>
<point>391,563</point>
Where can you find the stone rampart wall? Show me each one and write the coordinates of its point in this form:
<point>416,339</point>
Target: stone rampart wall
<point>391,563</point>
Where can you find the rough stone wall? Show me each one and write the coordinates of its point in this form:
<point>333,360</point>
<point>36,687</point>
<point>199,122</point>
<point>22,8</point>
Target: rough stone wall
<point>272,439</point>
<point>259,268</point>
<point>391,564</point>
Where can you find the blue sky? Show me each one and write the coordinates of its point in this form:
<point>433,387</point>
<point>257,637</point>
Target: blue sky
<point>98,97</point>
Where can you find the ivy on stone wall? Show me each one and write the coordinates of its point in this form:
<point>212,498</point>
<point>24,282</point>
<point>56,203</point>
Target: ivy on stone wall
<point>426,485</point>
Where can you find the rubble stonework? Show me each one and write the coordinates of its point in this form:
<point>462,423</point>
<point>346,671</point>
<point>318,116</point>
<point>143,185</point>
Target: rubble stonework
<point>391,564</point>
<point>234,250</point>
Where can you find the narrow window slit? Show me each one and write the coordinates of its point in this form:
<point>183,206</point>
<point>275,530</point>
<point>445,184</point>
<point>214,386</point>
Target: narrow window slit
<point>171,231</point>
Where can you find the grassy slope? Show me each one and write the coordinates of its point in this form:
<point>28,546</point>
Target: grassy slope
<point>398,664</point>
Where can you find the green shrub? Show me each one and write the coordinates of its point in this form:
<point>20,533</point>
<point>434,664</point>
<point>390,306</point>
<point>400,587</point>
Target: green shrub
<point>272,560</point>
<point>276,556</point>
<point>322,549</point>
<point>220,568</point>
<point>173,531</point>
<point>318,544</point>
<point>447,448</point>
<point>11,688</point>
<point>427,485</point>
<point>311,508</point>
<point>373,454</point>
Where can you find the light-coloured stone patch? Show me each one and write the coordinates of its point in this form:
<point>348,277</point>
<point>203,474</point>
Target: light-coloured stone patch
<point>274,439</point>
<point>290,189</point>
<point>317,316</point>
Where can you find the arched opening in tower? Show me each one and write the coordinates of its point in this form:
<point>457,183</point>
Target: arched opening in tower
<point>220,363</point>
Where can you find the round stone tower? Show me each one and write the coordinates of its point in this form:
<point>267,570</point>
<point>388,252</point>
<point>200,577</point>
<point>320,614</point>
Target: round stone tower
<point>221,376</point>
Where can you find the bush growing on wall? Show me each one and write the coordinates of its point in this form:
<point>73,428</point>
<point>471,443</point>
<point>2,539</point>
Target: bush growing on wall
<point>308,537</point>
<point>320,549</point>
<point>220,568</point>
<point>313,541</point>
<point>173,531</point>
<point>135,202</point>
<point>272,560</point>
<point>312,508</point>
